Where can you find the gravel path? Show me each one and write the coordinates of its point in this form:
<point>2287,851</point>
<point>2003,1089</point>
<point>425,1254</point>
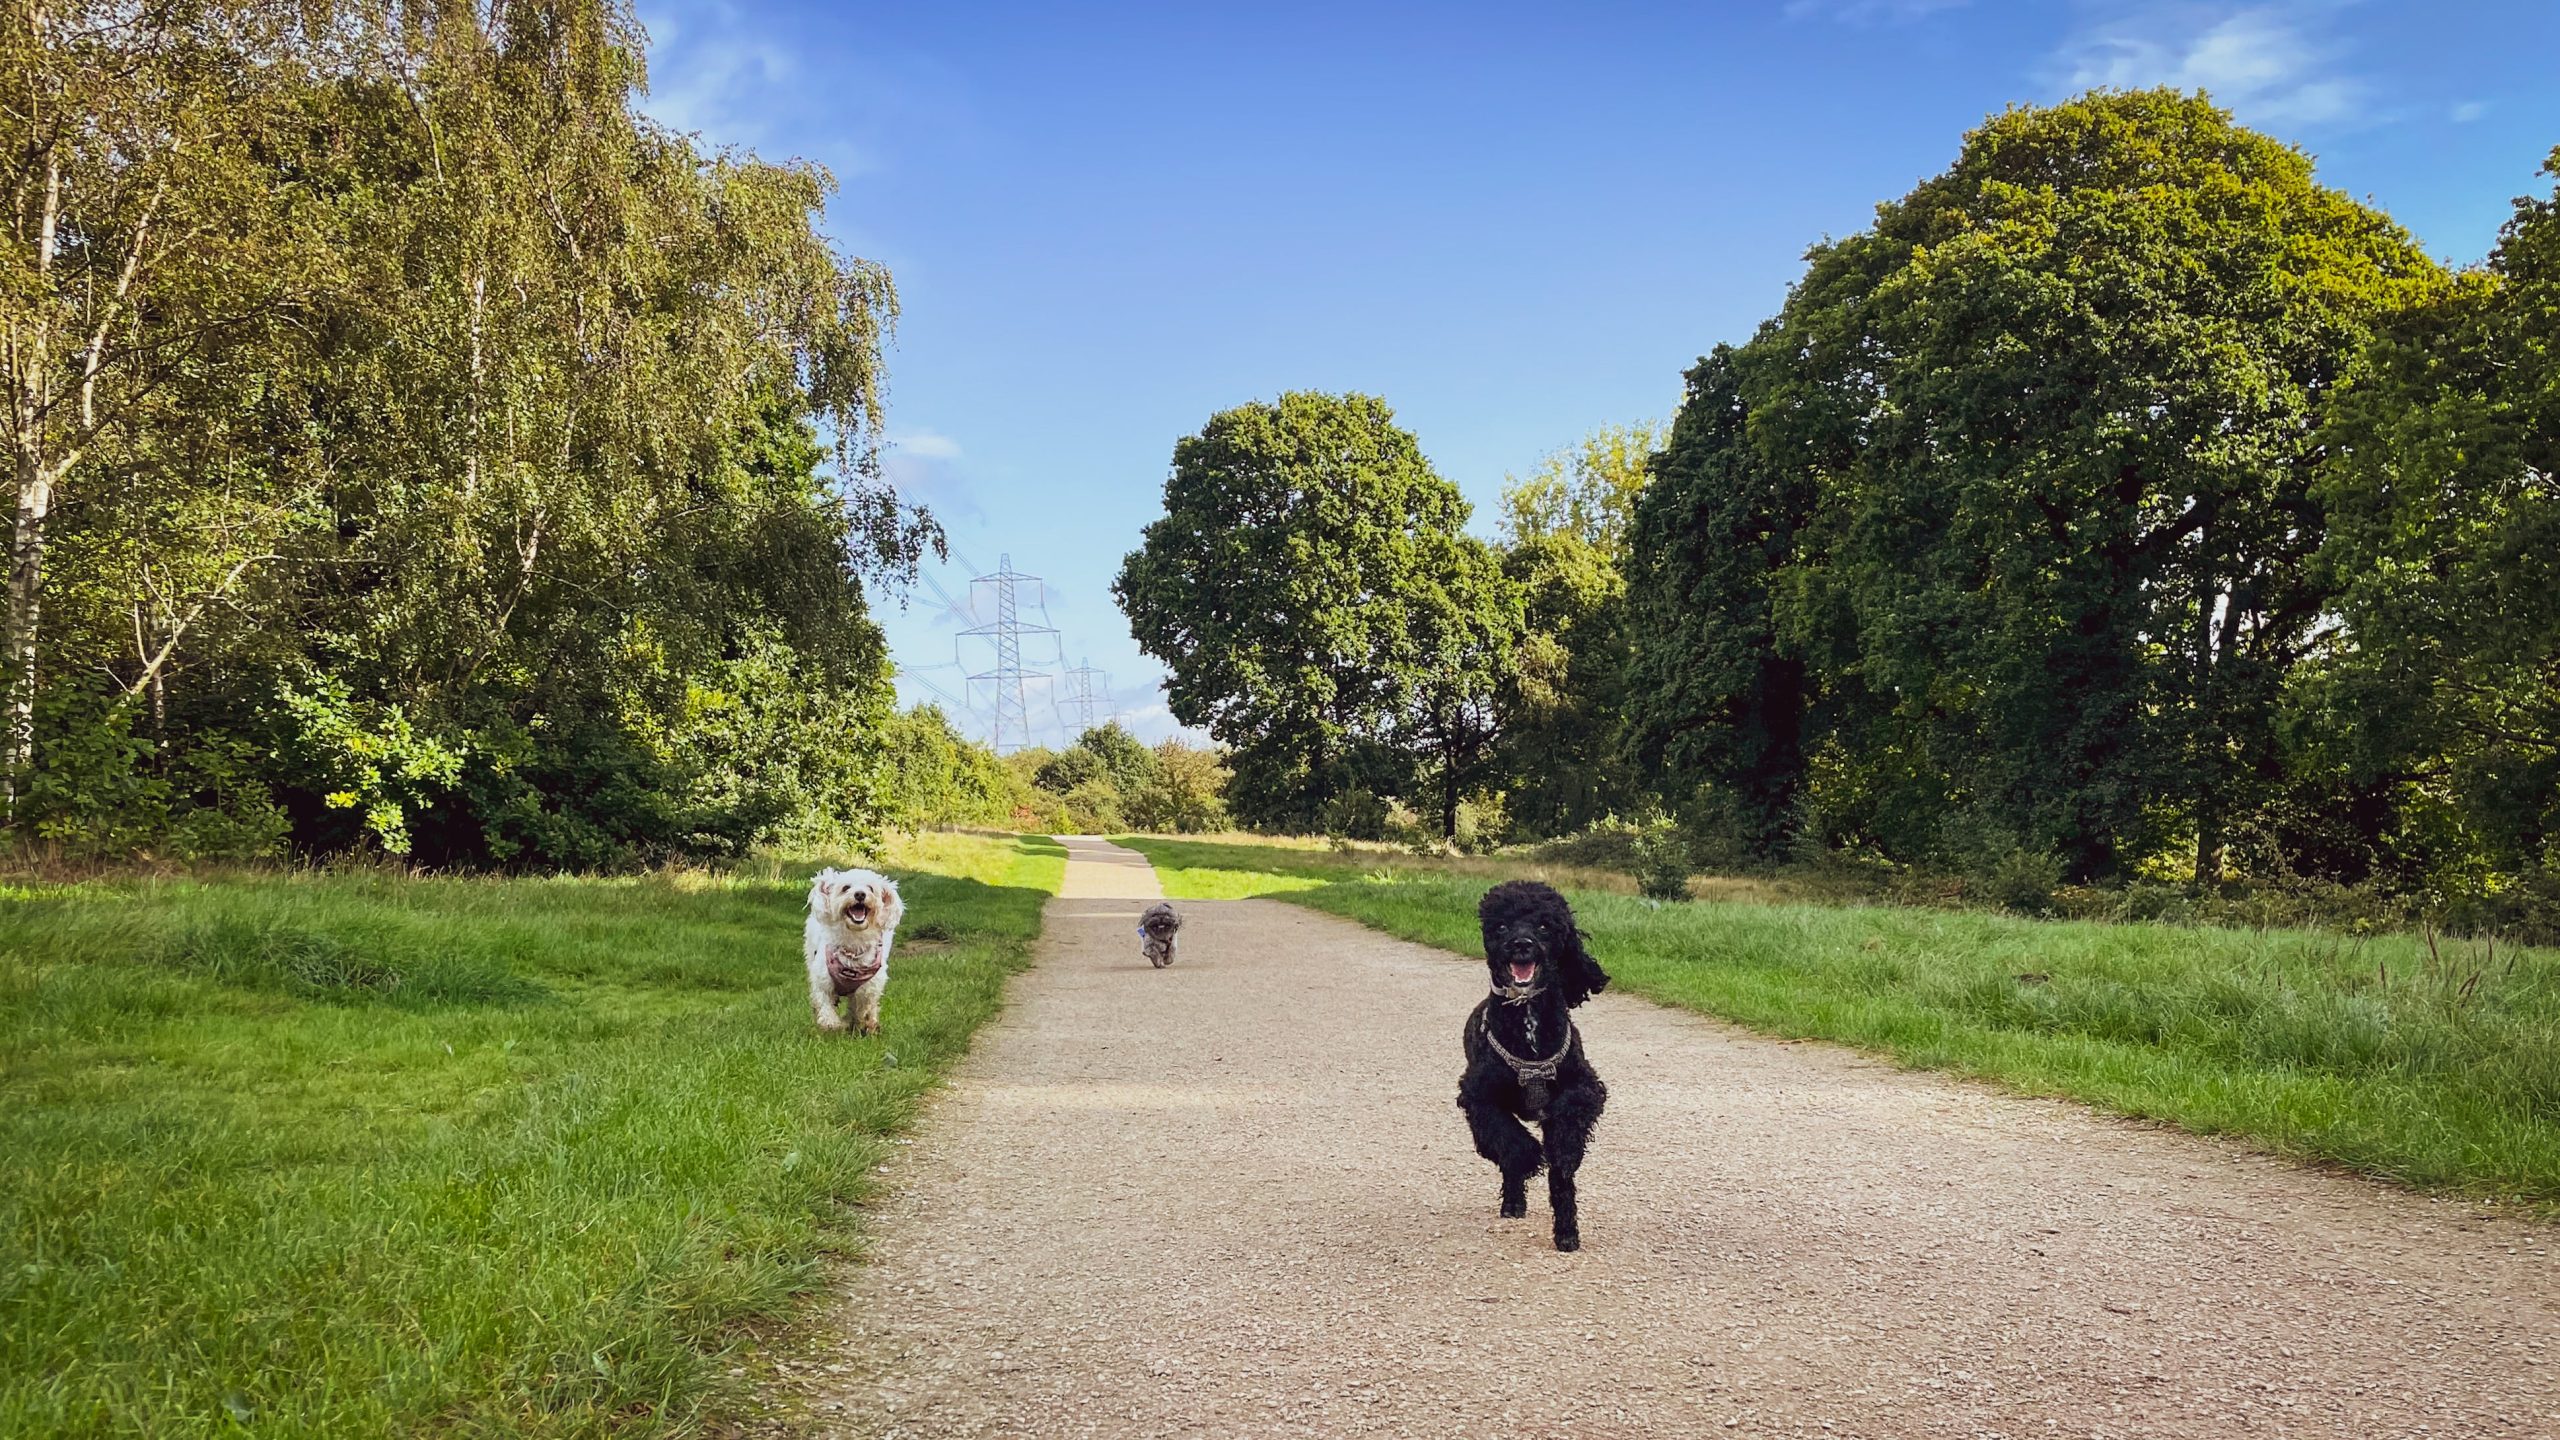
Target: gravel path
<point>1234,1198</point>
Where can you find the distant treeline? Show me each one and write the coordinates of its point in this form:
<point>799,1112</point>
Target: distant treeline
<point>1104,783</point>
<point>419,450</point>
<point>2122,508</point>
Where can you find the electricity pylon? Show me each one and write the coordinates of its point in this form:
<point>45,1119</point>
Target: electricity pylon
<point>1080,698</point>
<point>1009,681</point>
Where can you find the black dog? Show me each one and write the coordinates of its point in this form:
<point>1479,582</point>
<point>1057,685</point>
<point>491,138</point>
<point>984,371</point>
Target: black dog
<point>1524,1056</point>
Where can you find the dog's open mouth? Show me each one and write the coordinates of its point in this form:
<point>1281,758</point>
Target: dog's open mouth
<point>859,912</point>
<point>1523,971</point>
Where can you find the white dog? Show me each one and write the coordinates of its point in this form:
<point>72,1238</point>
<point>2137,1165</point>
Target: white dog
<point>853,917</point>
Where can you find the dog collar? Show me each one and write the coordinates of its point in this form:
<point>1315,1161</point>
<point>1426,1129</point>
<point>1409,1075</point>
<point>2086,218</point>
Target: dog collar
<point>1516,994</point>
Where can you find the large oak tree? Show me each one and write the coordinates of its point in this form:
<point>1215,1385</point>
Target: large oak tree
<point>1322,612</point>
<point>2058,409</point>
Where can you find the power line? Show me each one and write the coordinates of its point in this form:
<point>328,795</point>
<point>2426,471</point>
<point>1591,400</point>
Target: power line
<point>954,606</point>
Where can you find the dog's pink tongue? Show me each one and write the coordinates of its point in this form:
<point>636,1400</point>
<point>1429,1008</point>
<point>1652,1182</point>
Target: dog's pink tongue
<point>1523,974</point>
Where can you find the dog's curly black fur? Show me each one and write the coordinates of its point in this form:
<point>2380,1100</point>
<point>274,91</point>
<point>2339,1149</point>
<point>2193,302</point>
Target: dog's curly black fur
<point>1529,926</point>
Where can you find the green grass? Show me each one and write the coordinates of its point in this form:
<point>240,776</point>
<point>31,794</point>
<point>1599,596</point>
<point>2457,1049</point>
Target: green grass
<point>2437,1067</point>
<point>374,1155</point>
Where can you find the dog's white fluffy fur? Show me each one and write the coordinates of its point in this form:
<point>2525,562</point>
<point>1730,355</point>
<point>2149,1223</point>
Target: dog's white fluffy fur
<point>858,911</point>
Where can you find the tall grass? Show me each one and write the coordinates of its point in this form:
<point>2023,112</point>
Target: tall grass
<point>2428,1061</point>
<point>376,1155</point>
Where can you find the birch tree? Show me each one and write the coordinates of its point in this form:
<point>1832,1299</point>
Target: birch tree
<point>145,236</point>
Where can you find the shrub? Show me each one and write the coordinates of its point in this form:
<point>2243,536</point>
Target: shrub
<point>1187,795</point>
<point>2020,879</point>
<point>1407,828</point>
<point>1356,814</point>
<point>1608,843</point>
<point>1093,808</point>
<point>1484,823</point>
<point>1662,861</point>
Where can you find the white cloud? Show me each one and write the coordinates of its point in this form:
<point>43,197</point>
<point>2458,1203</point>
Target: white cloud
<point>736,81</point>
<point>925,444</point>
<point>1155,722</point>
<point>2270,64</point>
<point>2468,111</point>
<point>709,73</point>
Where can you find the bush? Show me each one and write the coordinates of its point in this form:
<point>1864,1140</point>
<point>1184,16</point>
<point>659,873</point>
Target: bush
<point>2020,879</point>
<point>1608,843</point>
<point>1484,823</point>
<point>937,776</point>
<point>1187,795</point>
<point>1662,861</point>
<point>1356,814</point>
<point>1093,808</point>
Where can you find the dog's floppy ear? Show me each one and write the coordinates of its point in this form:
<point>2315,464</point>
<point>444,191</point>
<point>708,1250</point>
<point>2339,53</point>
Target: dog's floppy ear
<point>892,909</point>
<point>1579,974</point>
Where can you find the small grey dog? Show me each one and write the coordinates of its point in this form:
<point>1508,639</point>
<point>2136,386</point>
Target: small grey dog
<point>1157,927</point>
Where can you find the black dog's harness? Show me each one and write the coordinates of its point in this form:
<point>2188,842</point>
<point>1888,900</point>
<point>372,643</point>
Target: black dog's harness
<point>1529,1070</point>
<point>1534,1075</point>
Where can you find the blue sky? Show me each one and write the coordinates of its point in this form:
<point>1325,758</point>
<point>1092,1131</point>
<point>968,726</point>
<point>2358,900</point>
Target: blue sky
<point>1514,222</point>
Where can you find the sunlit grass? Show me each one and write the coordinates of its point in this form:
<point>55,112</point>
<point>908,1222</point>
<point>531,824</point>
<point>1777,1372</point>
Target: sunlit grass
<point>2433,1063</point>
<point>368,1154</point>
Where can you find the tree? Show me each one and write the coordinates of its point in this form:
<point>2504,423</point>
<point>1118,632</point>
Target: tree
<point>2443,545</point>
<point>2059,405</point>
<point>151,249</point>
<point>1464,627</point>
<point>1309,588</point>
<point>1107,753</point>
<point>1189,793</point>
<point>1586,492</point>
<point>460,485</point>
<point>1565,531</point>
<point>1716,702</point>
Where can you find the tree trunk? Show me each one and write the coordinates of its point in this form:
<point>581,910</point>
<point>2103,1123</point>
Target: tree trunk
<point>1449,793</point>
<point>2208,762</point>
<point>35,496</point>
<point>26,597</point>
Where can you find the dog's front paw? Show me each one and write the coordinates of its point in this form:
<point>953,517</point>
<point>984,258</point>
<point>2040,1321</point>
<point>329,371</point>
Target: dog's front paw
<point>1515,1199</point>
<point>1568,1240</point>
<point>832,1024</point>
<point>868,1027</point>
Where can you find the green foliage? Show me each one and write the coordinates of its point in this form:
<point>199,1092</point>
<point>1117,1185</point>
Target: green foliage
<point>365,1154</point>
<point>1322,614</point>
<point>2020,478</point>
<point>1566,535</point>
<point>1107,782</point>
<point>2441,697</point>
<point>1188,794</point>
<point>1107,754</point>
<point>1483,825</point>
<point>488,497</point>
<point>1585,493</point>
<point>1715,707</point>
<point>1658,855</point>
<point>940,777</point>
<point>1356,814</point>
<point>364,757</point>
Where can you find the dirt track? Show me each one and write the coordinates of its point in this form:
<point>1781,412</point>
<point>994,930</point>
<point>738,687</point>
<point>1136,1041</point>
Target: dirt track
<point>1233,1198</point>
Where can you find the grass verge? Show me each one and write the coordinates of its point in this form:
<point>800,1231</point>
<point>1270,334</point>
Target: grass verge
<point>307,1155</point>
<point>2433,1064</point>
